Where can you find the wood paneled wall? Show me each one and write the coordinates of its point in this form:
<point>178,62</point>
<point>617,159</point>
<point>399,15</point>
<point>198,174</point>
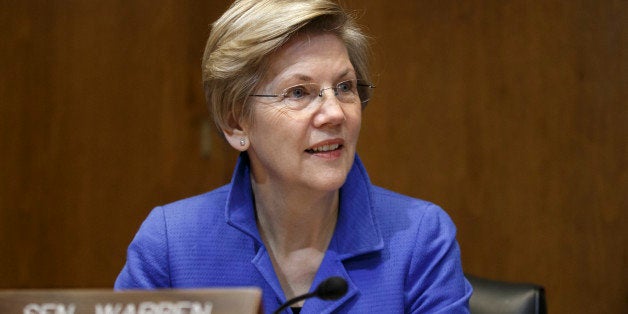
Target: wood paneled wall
<point>512,115</point>
<point>102,112</point>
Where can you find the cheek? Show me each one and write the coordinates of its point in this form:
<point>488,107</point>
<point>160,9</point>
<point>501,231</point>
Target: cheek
<point>276,116</point>
<point>354,121</point>
<point>275,124</point>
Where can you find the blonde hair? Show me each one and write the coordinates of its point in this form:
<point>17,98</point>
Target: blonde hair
<point>241,39</point>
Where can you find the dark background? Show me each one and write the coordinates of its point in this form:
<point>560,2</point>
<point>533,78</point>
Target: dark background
<point>511,115</point>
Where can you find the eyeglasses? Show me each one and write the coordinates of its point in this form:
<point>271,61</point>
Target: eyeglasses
<point>299,96</point>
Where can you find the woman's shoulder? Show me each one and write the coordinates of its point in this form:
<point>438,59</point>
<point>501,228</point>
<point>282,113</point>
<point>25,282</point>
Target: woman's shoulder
<point>393,207</point>
<point>381,197</point>
<point>215,197</point>
<point>203,207</point>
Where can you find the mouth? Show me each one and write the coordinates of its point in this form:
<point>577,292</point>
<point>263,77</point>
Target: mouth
<point>324,148</point>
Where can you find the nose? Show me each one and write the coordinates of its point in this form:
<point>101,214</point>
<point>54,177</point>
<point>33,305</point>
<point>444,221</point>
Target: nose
<point>330,111</point>
<point>320,93</point>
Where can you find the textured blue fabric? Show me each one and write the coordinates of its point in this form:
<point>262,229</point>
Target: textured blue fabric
<point>398,254</point>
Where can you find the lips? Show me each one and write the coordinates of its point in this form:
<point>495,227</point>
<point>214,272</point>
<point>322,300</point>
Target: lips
<point>324,147</point>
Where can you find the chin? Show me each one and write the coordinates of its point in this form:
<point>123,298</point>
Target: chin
<point>329,182</point>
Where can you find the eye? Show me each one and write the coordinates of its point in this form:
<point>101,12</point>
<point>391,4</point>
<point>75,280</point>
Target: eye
<point>296,92</point>
<point>345,87</point>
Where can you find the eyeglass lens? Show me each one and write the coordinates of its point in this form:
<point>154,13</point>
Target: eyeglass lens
<point>350,91</point>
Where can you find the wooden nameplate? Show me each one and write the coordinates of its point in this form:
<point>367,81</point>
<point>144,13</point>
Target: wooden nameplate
<point>101,301</point>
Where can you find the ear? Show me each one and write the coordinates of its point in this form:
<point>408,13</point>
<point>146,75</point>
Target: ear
<point>237,137</point>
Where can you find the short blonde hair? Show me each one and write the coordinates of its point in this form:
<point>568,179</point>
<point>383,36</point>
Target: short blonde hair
<point>235,57</point>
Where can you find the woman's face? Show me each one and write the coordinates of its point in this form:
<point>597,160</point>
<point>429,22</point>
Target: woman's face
<point>311,147</point>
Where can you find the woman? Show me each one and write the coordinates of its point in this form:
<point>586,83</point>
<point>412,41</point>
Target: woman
<point>286,82</point>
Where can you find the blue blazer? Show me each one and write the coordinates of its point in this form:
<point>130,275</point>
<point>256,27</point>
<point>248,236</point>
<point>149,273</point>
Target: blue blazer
<point>398,254</point>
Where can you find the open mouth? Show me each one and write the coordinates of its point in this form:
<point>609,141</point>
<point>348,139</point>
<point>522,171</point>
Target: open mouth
<point>324,148</point>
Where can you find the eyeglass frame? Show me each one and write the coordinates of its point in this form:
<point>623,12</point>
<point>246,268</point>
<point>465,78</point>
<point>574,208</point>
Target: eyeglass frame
<point>335,88</point>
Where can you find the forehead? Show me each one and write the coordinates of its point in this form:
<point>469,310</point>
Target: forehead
<point>307,57</point>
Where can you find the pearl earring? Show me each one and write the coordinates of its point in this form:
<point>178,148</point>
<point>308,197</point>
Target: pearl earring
<point>242,141</point>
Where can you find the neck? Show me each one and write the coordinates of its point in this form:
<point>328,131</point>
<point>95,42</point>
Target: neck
<point>296,228</point>
<point>289,219</point>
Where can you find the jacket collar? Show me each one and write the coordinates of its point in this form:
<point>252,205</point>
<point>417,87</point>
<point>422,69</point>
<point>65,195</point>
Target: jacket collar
<point>239,210</point>
<point>356,231</point>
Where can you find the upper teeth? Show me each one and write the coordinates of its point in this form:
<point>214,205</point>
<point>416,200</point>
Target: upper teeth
<point>326,148</point>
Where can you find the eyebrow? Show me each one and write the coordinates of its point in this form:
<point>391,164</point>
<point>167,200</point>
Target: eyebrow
<point>302,77</point>
<point>307,78</point>
<point>345,73</point>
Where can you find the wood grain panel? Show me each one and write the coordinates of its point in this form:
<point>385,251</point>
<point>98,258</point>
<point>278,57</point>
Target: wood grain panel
<point>512,115</point>
<point>102,113</point>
